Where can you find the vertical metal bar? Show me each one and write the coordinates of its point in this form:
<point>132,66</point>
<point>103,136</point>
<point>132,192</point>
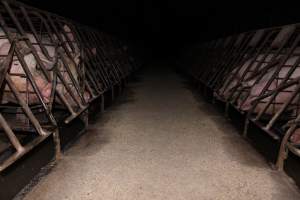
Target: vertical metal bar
<point>24,106</point>
<point>10,134</point>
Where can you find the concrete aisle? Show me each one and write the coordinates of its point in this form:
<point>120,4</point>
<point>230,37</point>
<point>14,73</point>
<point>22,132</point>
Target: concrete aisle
<point>161,142</point>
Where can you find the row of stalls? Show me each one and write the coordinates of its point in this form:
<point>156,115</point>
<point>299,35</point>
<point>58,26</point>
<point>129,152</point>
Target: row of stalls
<point>55,75</point>
<point>254,78</point>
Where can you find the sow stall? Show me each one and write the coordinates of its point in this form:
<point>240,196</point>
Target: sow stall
<point>254,77</point>
<point>55,74</point>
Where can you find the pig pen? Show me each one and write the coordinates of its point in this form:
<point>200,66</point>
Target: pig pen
<point>254,78</point>
<point>55,75</point>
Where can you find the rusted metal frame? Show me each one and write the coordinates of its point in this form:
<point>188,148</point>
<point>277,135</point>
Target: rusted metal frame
<point>71,44</point>
<point>273,77</point>
<point>98,69</point>
<point>240,64</point>
<point>99,86</point>
<point>91,77</point>
<point>52,29</point>
<point>61,96</point>
<point>35,34</point>
<point>239,89</point>
<point>53,89</point>
<point>108,43</point>
<point>48,28</point>
<point>237,54</point>
<point>273,95</point>
<point>69,90</point>
<point>80,46</point>
<point>59,38</point>
<point>4,68</point>
<point>101,68</point>
<point>27,71</point>
<point>10,134</point>
<point>76,40</point>
<point>55,57</point>
<point>65,34</point>
<point>102,59</point>
<point>74,82</point>
<point>109,66</point>
<point>283,151</point>
<point>67,104</point>
<point>23,33</point>
<point>54,82</point>
<point>116,68</point>
<point>25,107</point>
<point>72,59</point>
<point>57,23</point>
<point>294,149</point>
<point>96,37</point>
<point>10,12</point>
<point>291,70</point>
<point>20,150</point>
<point>42,47</point>
<point>240,53</point>
<point>272,63</point>
<point>77,87</point>
<point>96,85</point>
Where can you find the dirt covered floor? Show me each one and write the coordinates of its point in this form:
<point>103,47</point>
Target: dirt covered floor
<point>160,141</point>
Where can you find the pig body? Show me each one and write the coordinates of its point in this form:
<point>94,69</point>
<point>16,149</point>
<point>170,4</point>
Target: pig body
<point>232,81</point>
<point>256,88</point>
<point>22,84</point>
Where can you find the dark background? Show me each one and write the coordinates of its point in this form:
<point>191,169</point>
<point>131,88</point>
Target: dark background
<point>163,27</point>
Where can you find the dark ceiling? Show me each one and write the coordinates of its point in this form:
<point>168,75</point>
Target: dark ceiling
<point>166,25</point>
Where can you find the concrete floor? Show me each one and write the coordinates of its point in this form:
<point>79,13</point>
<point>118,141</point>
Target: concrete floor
<point>161,142</point>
